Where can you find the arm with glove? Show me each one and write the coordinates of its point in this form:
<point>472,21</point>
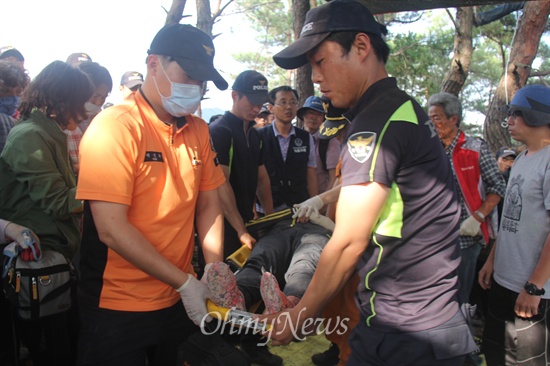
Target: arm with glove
<point>472,225</point>
<point>312,206</point>
<point>120,235</point>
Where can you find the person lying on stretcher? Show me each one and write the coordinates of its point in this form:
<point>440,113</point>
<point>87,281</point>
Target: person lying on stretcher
<point>287,254</point>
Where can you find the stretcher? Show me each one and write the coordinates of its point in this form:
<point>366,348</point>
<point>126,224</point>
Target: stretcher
<point>257,228</point>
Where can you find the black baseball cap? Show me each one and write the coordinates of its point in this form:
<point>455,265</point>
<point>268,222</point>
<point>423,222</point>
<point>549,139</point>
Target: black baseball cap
<point>254,85</point>
<point>265,109</point>
<point>334,16</point>
<point>191,48</point>
<point>334,123</point>
<point>77,58</point>
<point>131,79</point>
<point>9,51</point>
<point>505,152</point>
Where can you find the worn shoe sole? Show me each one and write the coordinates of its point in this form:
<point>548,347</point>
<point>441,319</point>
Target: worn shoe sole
<point>274,299</point>
<point>223,286</point>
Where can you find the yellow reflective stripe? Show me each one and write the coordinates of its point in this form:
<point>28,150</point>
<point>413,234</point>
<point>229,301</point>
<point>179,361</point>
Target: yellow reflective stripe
<point>230,156</point>
<point>270,217</point>
<point>391,217</point>
<point>405,113</point>
<point>367,286</point>
<point>377,149</point>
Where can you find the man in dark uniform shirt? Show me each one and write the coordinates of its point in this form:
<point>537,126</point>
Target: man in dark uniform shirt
<point>240,155</point>
<point>397,215</point>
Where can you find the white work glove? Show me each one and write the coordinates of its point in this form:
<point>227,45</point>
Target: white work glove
<point>470,227</point>
<point>308,207</point>
<point>323,221</point>
<point>194,294</point>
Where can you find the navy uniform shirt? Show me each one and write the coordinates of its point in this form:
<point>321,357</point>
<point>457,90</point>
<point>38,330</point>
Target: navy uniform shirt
<point>241,152</point>
<point>408,272</point>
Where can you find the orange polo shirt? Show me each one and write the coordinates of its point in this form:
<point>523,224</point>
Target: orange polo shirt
<point>129,156</point>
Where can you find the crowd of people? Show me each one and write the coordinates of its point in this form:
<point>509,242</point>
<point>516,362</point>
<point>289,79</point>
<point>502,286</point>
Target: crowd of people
<point>378,210</point>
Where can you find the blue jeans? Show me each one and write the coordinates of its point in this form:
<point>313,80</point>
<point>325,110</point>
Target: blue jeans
<point>467,271</point>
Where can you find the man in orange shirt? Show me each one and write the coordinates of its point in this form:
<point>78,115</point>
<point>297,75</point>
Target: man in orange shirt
<point>149,176</point>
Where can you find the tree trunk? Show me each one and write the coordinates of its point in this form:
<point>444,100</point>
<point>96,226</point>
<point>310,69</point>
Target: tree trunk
<point>175,13</point>
<point>524,49</point>
<point>204,17</point>
<point>304,85</point>
<point>463,49</point>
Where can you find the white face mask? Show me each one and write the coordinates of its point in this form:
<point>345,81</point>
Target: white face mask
<point>91,109</point>
<point>184,100</point>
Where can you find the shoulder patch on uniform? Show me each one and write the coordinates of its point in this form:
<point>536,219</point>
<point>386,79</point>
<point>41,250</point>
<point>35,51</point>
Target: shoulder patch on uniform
<point>361,145</point>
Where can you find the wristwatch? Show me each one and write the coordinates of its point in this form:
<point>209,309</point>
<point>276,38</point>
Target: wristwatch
<point>532,289</point>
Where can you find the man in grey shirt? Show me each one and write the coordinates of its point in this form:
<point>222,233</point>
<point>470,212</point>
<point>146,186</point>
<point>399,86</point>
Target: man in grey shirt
<point>518,324</point>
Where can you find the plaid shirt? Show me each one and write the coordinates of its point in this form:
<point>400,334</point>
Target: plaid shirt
<point>73,140</point>
<point>494,183</point>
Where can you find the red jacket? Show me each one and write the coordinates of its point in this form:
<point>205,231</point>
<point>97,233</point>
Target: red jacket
<point>466,165</point>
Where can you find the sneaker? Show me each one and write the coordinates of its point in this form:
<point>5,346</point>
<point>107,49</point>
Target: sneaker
<point>260,355</point>
<point>274,299</point>
<point>223,286</point>
<point>327,358</point>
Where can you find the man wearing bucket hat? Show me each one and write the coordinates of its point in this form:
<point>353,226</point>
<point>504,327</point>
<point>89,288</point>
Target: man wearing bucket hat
<point>149,177</point>
<point>326,151</point>
<point>517,271</point>
<point>397,215</point>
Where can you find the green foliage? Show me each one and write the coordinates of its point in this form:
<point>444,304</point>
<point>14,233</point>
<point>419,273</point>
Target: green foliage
<point>421,51</point>
<point>272,22</point>
<point>472,129</point>
<point>263,62</point>
<point>420,61</point>
<point>543,62</point>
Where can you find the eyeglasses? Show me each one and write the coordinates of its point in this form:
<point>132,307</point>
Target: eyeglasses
<point>292,103</point>
<point>511,114</point>
<point>514,114</point>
